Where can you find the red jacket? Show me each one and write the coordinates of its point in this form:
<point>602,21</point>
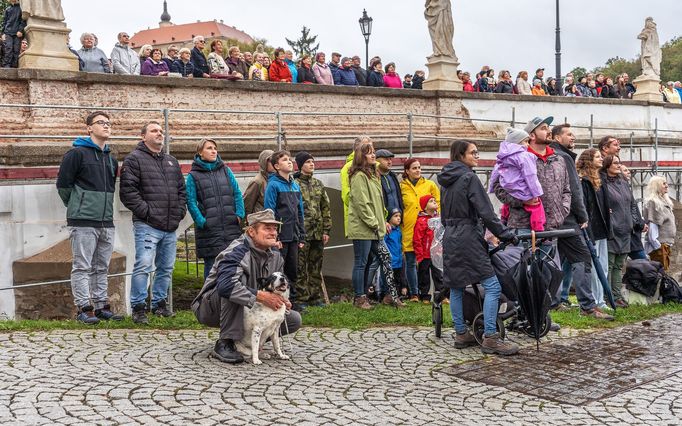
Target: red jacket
<point>423,237</point>
<point>279,71</point>
<point>468,87</point>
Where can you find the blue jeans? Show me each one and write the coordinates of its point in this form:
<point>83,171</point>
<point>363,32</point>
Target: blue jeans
<point>491,304</point>
<point>208,265</point>
<point>153,248</point>
<point>567,269</point>
<point>411,272</point>
<point>363,273</point>
<point>602,247</point>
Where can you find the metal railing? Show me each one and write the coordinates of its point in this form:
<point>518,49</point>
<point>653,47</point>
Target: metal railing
<point>279,135</point>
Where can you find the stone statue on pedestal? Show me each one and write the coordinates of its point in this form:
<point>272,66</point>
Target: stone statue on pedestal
<point>651,49</point>
<point>443,62</point>
<point>648,83</point>
<point>46,9</point>
<point>438,13</point>
<point>47,36</point>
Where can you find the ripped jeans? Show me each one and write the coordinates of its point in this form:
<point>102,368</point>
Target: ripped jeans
<point>154,249</point>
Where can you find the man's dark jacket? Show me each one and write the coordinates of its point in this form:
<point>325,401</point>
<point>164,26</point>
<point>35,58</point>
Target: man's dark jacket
<point>200,63</point>
<point>12,22</point>
<point>360,74</point>
<point>153,188</point>
<point>390,185</point>
<point>578,214</point>
<point>86,184</point>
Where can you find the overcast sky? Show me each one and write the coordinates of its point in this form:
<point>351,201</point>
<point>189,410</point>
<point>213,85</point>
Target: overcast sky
<point>510,34</point>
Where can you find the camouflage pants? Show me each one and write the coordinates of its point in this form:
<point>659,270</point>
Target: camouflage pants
<point>309,283</point>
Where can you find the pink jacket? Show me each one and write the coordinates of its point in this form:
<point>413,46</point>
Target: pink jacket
<point>323,75</point>
<point>393,80</point>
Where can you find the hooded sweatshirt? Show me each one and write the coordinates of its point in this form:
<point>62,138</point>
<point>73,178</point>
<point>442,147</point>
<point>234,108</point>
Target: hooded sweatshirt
<point>86,183</point>
<point>517,172</point>
<point>254,196</point>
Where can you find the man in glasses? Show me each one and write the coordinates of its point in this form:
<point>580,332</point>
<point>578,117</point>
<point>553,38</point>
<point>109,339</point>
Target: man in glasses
<point>199,59</point>
<point>86,184</point>
<point>124,59</point>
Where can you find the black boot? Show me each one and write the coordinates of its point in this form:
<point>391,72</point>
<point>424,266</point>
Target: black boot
<point>225,351</point>
<point>106,314</point>
<point>162,310</point>
<point>140,314</point>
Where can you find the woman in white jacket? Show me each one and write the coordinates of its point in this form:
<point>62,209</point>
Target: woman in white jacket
<point>523,87</point>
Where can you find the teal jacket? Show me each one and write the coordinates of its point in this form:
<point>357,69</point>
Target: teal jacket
<point>86,183</point>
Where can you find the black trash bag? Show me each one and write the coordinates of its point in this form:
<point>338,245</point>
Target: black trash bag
<point>643,276</point>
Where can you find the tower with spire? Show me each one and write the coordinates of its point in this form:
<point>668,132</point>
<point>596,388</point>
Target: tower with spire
<point>165,16</point>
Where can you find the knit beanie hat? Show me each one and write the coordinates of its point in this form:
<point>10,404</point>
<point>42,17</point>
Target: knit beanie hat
<point>424,200</point>
<point>264,159</point>
<point>516,135</point>
<point>394,211</point>
<point>302,157</point>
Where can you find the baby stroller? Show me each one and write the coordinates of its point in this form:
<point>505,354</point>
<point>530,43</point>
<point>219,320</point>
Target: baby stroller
<point>527,275</point>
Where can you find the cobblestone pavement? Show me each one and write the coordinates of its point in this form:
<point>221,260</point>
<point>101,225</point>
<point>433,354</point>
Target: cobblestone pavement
<point>379,376</point>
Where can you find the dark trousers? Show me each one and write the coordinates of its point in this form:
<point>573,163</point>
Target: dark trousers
<point>289,252</point>
<point>10,51</point>
<point>425,273</point>
<point>208,265</point>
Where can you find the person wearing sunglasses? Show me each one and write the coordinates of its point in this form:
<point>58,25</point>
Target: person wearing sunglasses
<point>86,183</point>
<point>124,59</point>
<point>198,58</point>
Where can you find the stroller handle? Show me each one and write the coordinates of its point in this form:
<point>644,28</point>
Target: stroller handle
<point>548,235</point>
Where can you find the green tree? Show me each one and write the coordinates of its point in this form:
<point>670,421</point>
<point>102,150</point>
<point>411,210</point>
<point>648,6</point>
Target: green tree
<point>578,72</point>
<point>305,44</point>
<point>671,64</point>
<point>3,6</point>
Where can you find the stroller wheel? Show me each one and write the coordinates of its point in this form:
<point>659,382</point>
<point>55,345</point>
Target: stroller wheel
<point>437,317</point>
<point>544,329</point>
<point>478,327</point>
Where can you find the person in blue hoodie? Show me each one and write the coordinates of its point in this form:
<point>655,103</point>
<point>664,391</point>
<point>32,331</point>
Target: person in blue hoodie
<point>86,183</point>
<point>394,242</point>
<point>289,60</point>
<point>215,203</point>
<point>283,196</point>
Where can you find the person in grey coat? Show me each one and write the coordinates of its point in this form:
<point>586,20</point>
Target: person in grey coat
<point>623,210</point>
<point>93,58</point>
<point>124,59</point>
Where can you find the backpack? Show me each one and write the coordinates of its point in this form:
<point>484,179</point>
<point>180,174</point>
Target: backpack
<point>670,290</point>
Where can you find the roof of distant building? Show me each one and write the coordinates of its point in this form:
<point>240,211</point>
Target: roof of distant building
<point>185,32</point>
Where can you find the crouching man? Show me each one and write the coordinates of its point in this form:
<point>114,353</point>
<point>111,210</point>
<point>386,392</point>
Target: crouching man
<point>232,285</point>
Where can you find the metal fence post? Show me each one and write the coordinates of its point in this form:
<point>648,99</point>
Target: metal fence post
<point>513,122</point>
<point>410,136</point>
<point>655,145</point>
<point>591,130</point>
<point>166,136</point>
<point>278,115</point>
<point>632,146</point>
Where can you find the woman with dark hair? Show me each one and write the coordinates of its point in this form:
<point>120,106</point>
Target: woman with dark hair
<point>552,90</point>
<point>391,78</point>
<point>413,187</point>
<point>279,70</point>
<point>466,213</point>
<point>621,207</point>
<point>216,63</point>
<point>599,220</point>
<point>609,90</point>
<point>375,78</point>
<point>366,224</point>
<point>305,71</point>
<point>154,65</point>
<point>214,201</point>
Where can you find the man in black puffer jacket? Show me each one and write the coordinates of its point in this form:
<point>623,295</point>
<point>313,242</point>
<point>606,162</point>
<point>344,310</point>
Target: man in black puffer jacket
<point>153,188</point>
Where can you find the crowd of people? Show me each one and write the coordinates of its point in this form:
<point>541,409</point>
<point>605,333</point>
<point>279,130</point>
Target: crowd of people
<point>282,221</point>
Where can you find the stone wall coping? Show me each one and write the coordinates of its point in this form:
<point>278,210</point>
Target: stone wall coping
<point>113,79</point>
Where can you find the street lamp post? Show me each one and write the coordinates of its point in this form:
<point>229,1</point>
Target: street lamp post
<point>366,28</point>
<point>559,81</point>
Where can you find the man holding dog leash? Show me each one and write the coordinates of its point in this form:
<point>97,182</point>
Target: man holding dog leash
<point>233,285</point>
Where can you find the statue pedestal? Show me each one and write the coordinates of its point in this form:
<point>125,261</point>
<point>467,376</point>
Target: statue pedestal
<point>648,89</point>
<point>48,46</point>
<point>442,74</point>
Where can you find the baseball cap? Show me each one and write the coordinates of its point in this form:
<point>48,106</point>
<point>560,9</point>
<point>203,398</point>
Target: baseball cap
<point>535,122</point>
<point>263,216</point>
<point>384,153</point>
<point>538,70</point>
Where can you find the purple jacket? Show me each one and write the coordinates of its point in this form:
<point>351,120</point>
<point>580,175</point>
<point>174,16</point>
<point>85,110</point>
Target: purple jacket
<point>517,172</point>
<point>150,68</point>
